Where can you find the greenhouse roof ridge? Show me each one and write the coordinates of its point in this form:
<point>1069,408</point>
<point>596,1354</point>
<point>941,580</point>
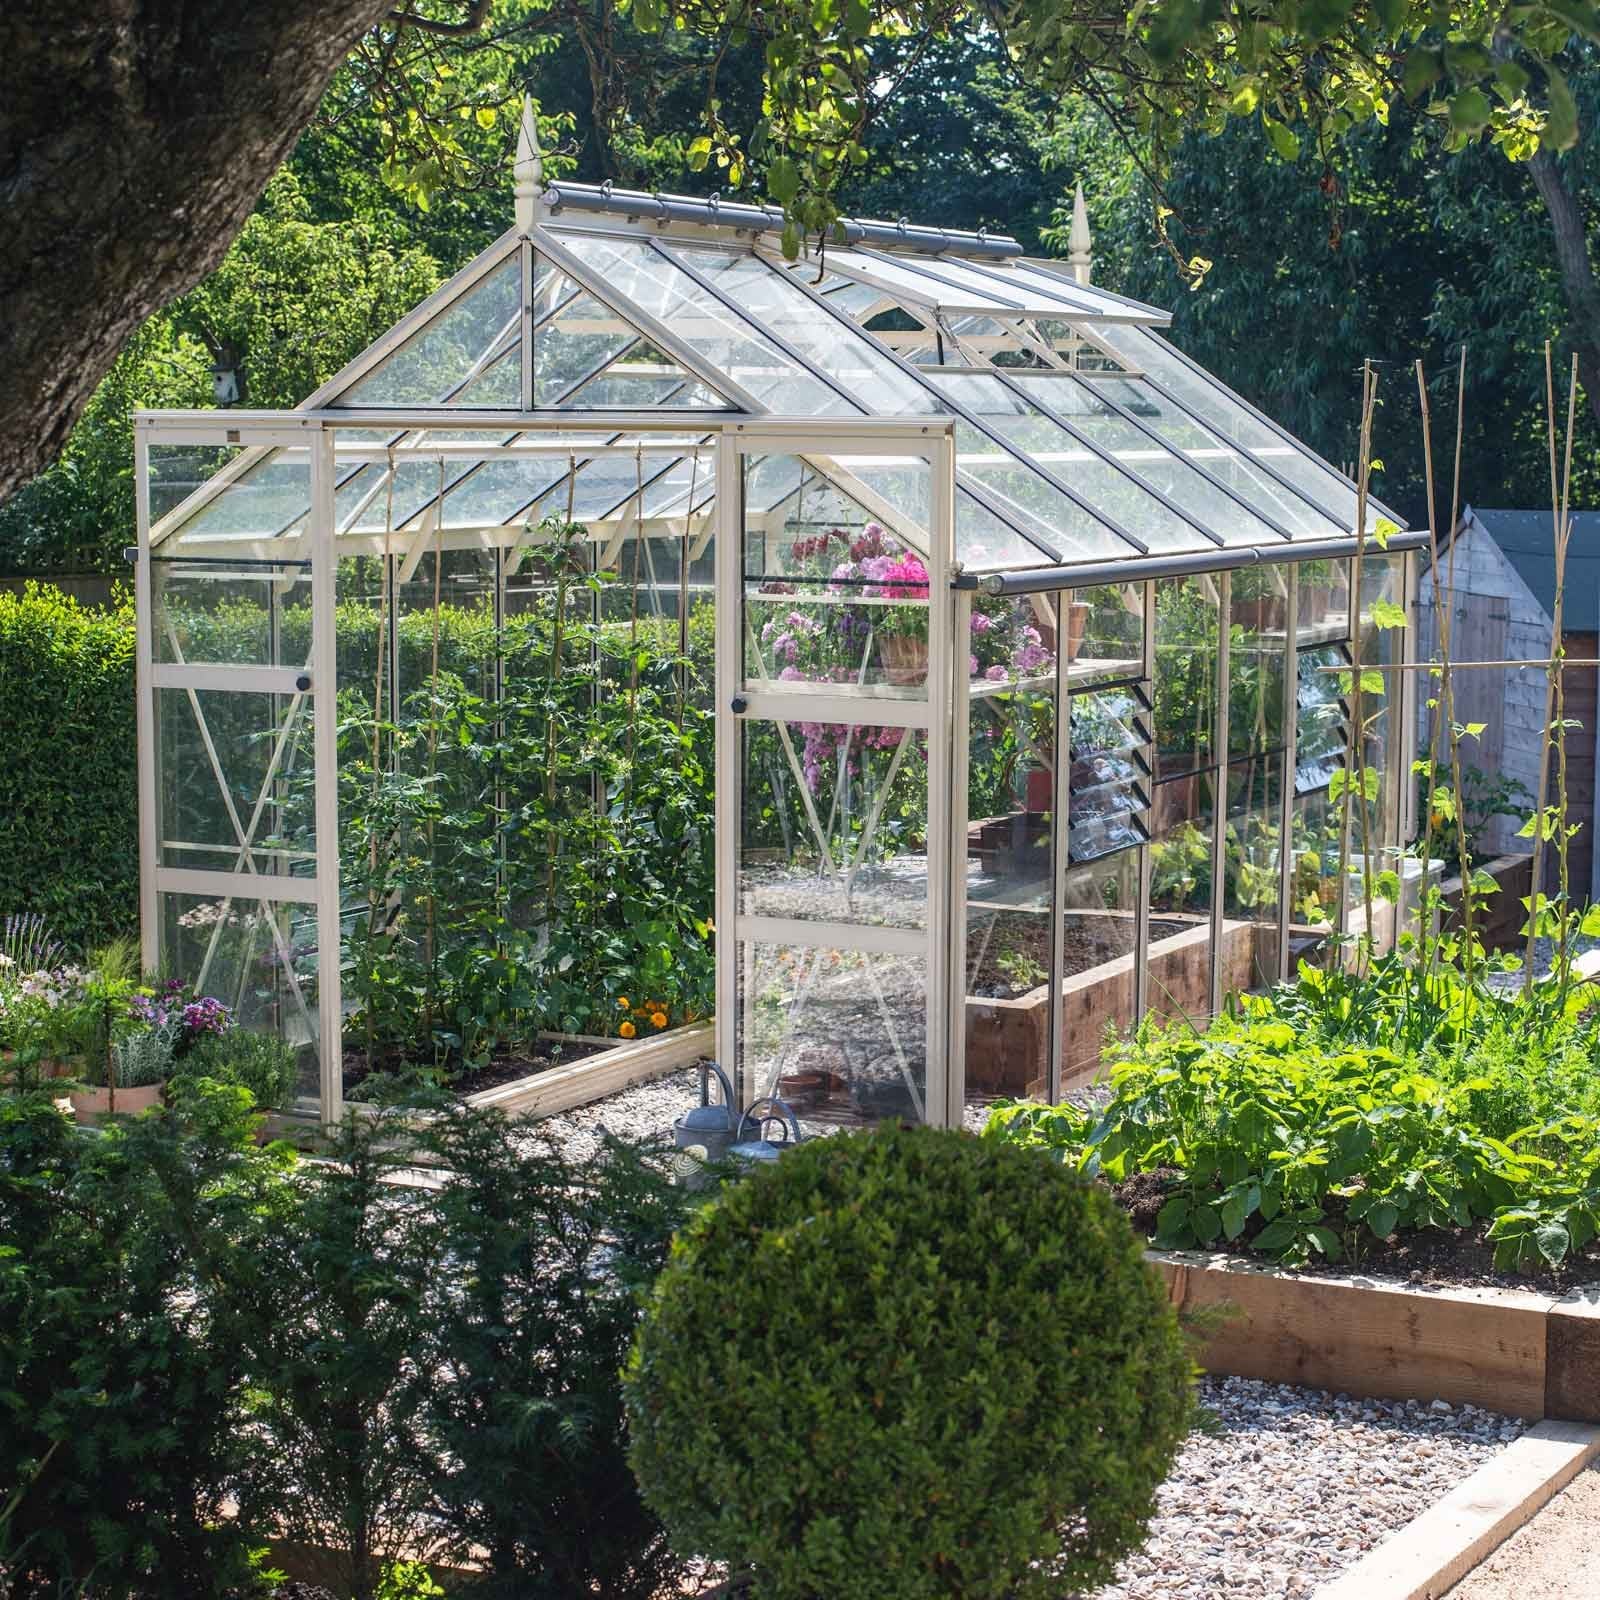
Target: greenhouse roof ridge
<point>714,212</point>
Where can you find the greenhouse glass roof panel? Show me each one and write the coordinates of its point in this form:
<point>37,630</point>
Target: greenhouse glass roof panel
<point>824,341</point>
<point>1104,489</point>
<point>1272,495</point>
<point>724,339</point>
<point>1083,407</point>
<point>1209,403</point>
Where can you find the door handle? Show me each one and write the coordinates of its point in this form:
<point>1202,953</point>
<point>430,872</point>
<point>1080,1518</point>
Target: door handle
<point>738,705</point>
<point>302,683</point>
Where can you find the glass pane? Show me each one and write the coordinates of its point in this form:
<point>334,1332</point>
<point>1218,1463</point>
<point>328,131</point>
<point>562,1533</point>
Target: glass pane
<point>586,355</point>
<point>242,616</point>
<point>1113,493</point>
<point>775,302</point>
<point>1010,850</point>
<point>439,361</point>
<point>832,597</point>
<point>1109,779</point>
<point>1147,458</point>
<point>269,497</point>
<point>906,278</point>
<point>1322,716</point>
<point>1314,886</point>
<point>1185,674</point>
<point>1180,899</point>
<point>834,823</point>
<point>1251,886</point>
<point>259,960</point>
<point>1221,459</point>
<point>235,781</point>
<point>1257,658</point>
<point>1105,634</point>
<point>176,471</point>
<point>727,341</point>
<point>1099,934</point>
<point>1042,511</point>
<point>1322,613</point>
<point>840,1034</point>
<point>1214,407</point>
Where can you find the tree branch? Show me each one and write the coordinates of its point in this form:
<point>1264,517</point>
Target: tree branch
<point>477,15</point>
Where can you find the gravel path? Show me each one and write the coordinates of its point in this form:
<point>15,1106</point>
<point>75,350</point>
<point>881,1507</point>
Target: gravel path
<point>1288,1486</point>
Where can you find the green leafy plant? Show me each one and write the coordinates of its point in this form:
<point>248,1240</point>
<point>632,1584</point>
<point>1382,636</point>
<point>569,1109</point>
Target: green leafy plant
<point>940,1366</point>
<point>1348,1107</point>
<point>527,1335</point>
<point>121,1428</point>
<point>260,1062</point>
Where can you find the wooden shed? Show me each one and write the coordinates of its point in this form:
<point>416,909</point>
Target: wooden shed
<point>1502,565</point>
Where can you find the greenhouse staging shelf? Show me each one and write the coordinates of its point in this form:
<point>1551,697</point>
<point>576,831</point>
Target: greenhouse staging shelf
<point>1528,1353</point>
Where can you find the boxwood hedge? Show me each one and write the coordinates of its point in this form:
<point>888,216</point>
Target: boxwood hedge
<point>908,1363</point>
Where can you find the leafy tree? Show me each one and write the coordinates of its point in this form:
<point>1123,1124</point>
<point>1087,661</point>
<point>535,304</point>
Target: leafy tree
<point>292,302</point>
<point>137,205</point>
<point>1386,246</point>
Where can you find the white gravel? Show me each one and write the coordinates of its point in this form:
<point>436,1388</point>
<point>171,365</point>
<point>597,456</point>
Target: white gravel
<point>643,1111</point>
<point>1288,1486</point>
<point>1544,957</point>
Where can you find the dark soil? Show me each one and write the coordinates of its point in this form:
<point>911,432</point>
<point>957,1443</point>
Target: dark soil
<point>497,1070</point>
<point>1430,1257</point>
<point>1028,933</point>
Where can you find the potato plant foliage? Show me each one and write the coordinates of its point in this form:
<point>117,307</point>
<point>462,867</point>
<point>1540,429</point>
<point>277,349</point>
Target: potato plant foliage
<point>1339,1110</point>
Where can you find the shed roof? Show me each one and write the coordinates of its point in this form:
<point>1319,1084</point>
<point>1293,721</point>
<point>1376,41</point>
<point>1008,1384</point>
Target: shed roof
<point>1527,539</point>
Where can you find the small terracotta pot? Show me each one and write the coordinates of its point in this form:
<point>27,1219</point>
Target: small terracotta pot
<point>905,660</point>
<point>95,1105</point>
<point>1077,621</point>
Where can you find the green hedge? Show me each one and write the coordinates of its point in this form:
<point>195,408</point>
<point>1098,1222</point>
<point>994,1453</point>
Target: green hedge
<point>69,830</point>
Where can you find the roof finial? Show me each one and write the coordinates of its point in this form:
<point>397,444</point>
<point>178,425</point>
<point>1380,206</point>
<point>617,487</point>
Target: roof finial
<point>1079,257</point>
<point>528,167</point>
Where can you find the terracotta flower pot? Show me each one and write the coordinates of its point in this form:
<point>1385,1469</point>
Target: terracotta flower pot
<point>1077,621</point>
<point>95,1105</point>
<point>905,659</point>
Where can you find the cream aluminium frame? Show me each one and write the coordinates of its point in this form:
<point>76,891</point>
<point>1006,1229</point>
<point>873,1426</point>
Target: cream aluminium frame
<point>934,442</point>
<point>322,435</point>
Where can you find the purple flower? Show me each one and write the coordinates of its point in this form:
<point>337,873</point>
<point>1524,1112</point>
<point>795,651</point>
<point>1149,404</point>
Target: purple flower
<point>996,674</point>
<point>972,666</point>
<point>981,622</point>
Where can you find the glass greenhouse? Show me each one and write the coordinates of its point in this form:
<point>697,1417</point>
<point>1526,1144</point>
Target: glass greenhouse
<point>1007,649</point>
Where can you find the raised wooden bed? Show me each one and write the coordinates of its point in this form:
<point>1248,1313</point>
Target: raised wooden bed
<point>1512,1350</point>
<point>1007,1039</point>
<point>621,1065</point>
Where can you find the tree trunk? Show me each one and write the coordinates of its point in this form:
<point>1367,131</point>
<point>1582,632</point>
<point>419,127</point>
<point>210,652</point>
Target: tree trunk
<point>135,137</point>
<point>1578,280</point>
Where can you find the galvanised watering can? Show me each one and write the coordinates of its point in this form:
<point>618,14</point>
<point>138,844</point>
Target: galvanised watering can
<point>758,1151</point>
<point>707,1129</point>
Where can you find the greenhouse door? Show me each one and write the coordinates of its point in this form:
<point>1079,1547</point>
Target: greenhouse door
<point>237,776</point>
<point>833,749</point>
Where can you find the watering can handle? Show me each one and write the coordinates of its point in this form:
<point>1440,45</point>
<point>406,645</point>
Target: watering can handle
<point>707,1067</point>
<point>777,1111</point>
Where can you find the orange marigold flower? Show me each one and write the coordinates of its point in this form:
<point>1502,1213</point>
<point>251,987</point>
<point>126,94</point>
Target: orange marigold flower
<point>659,1018</point>
<point>627,1030</point>
<point>622,1002</point>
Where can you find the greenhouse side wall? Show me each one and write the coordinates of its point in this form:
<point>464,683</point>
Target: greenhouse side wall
<point>1188,843</point>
